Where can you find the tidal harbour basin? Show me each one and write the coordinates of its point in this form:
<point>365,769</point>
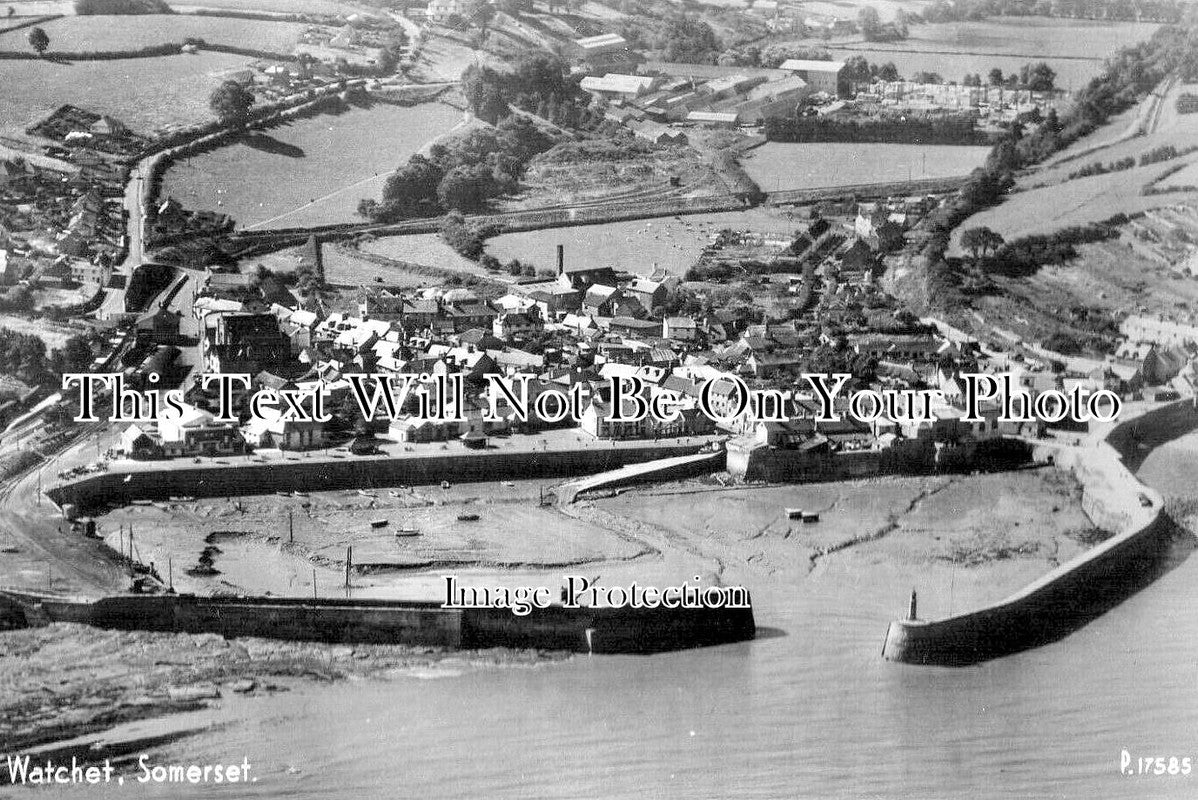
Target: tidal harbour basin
<point>535,399</point>
<point>829,619</point>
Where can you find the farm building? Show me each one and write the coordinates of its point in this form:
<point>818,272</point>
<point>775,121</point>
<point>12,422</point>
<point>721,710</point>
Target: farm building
<point>614,86</point>
<point>822,76</point>
<point>728,118</point>
<point>658,133</point>
<point>442,10</point>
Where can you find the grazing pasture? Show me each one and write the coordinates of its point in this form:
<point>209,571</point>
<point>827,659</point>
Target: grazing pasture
<point>309,171</point>
<point>806,165</point>
<point>1076,202</point>
<point>273,6</point>
<point>145,93</point>
<point>639,246</point>
<point>428,249</point>
<point>105,33</point>
<point>1074,48</point>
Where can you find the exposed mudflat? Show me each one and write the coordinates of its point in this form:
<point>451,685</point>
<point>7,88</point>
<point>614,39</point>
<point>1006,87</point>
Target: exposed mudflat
<point>64,681</point>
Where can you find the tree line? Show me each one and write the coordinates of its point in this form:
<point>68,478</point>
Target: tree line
<point>1170,11</point>
<point>954,129</point>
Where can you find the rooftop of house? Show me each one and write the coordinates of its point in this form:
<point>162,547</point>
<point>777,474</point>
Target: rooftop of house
<point>808,65</point>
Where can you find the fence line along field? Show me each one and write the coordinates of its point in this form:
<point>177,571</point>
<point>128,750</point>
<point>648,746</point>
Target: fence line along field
<point>147,94</point>
<point>132,32</point>
<point>310,171</point>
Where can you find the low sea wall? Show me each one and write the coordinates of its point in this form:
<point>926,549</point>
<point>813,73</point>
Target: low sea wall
<point>119,487</point>
<point>583,629</point>
<point>1076,592</point>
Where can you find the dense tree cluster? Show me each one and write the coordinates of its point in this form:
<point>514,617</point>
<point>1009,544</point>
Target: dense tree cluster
<point>467,238</point>
<point>231,102</point>
<point>24,356</point>
<point>537,84</point>
<point>674,35</point>
<point>463,174</point>
<point>981,241</point>
<point>874,30</point>
<point>1024,256</point>
<point>858,70</point>
<point>771,56</point>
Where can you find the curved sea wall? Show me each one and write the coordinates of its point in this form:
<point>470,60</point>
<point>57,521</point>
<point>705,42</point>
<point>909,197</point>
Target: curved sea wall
<point>1078,591</point>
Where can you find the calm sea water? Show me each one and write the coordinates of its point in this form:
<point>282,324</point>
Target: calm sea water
<point>809,710</point>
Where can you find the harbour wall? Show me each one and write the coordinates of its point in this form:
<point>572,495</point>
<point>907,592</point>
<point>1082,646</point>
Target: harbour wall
<point>1078,591</point>
<point>164,480</point>
<point>583,629</point>
<point>904,457</point>
<point>657,470</point>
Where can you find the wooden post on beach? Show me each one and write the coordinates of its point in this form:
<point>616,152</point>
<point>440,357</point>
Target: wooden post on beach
<point>314,583</point>
<point>349,562</point>
<point>290,528</point>
<point>170,574</point>
<point>911,609</point>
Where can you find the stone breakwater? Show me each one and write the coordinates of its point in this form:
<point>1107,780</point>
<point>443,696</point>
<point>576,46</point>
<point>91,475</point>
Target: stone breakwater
<point>582,629</point>
<point>1078,591</point>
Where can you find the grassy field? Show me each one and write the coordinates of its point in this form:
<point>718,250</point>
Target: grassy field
<point>1185,177</point>
<point>427,248</point>
<point>1074,48</point>
<point>778,165</point>
<point>102,33</point>
<point>278,6</point>
<point>144,93</point>
<point>40,8</point>
<point>1075,202</point>
<point>443,60</point>
<point>638,245</point>
<point>311,171</point>
<point>341,269</point>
